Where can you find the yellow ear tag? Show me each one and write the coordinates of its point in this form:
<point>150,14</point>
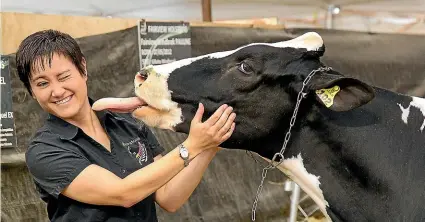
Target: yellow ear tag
<point>327,95</point>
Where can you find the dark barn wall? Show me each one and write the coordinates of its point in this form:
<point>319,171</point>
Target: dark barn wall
<point>228,188</point>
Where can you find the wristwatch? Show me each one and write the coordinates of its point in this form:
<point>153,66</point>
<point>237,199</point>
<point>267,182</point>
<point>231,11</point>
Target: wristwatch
<point>184,154</point>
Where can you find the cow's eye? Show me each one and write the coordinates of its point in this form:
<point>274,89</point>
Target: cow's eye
<point>245,68</point>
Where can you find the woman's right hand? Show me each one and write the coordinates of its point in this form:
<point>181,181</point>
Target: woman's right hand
<point>211,133</point>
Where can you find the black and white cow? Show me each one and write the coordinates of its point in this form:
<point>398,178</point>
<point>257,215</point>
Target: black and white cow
<point>358,151</point>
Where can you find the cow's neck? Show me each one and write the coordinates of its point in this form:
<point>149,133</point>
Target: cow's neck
<point>351,155</point>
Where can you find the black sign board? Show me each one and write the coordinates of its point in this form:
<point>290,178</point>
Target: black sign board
<point>163,42</point>
<point>7,123</point>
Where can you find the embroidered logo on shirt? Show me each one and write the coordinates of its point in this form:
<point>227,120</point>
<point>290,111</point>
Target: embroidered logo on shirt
<point>131,142</point>
<point>141,155</point>
<point>138,152</point>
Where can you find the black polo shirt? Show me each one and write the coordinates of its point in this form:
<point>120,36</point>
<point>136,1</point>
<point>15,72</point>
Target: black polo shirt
<point>59,151</point>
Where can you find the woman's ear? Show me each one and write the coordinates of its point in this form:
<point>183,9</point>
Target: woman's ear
<point>33,96</point>
<point>30,92</point>
<point>85,68</point>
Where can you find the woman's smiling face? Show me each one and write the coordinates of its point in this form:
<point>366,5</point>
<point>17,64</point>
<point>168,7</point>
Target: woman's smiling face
<point>59,88</point>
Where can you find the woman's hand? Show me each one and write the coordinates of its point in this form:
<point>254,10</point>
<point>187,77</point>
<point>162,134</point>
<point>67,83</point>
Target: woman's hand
<point>214,131</point>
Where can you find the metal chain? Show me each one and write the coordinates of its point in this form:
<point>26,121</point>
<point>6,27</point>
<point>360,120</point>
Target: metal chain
<point>273,164</point>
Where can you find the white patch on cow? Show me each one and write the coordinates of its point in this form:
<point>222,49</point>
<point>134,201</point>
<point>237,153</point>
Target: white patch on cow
<point>154,91</point>
<point>404,112</point>
<point>158,118</point>
<point>310,41</point>
<point>416,102</point>
<point>309,183</point>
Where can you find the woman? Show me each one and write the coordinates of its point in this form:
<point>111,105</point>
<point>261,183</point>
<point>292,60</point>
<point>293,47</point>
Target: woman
<point>104,166</point>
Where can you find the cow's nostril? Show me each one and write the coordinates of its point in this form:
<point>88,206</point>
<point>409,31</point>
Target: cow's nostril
<point>143,73</point>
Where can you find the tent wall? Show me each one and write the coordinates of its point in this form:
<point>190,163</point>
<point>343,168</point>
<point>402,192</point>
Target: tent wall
<point>16,26</point>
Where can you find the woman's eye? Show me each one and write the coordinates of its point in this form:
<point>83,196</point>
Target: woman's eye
<point>245,68</point>
<point>64,78</point>
<point>42,84</point>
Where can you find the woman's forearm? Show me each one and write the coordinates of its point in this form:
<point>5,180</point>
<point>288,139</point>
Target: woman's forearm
<point>149,179</point>
<point>177,191</point>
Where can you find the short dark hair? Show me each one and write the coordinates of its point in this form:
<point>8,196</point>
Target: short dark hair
<point>38,48</point>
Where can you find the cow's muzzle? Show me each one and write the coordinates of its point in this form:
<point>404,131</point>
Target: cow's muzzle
<point>143,73</point>
<point>141,77</point>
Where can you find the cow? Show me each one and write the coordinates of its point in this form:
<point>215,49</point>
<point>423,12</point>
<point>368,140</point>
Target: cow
<point>357,150</point>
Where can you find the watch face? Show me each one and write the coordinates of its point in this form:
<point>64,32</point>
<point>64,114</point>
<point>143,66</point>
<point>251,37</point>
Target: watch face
<point>184,153</point>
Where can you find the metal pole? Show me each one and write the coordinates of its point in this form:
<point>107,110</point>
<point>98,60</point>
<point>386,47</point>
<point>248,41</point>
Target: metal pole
<point>206,11</point>
<point>329,17</point>
<point>139,44</point>
<point>295,197</point>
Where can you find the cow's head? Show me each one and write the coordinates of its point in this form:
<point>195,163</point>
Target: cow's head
<point>259,80</point>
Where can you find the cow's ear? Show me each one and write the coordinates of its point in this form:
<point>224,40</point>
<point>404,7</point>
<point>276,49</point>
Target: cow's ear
<point>340,93</point>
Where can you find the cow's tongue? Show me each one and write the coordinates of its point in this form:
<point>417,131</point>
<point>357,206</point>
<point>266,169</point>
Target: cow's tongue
<point>124,105</point>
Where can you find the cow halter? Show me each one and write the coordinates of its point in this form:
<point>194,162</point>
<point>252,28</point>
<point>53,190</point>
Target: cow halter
<point>273,164</point>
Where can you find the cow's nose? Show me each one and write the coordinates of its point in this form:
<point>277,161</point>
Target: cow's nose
<point>140,77</point>
<point>143,73</point>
